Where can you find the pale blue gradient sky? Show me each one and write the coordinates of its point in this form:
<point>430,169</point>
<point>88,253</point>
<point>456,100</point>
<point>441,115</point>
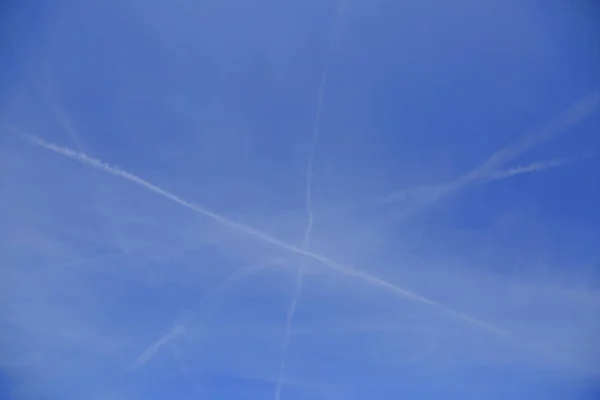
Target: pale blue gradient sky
<point>299,200</point>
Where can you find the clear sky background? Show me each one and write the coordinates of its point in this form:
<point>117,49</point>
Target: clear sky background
<point>351,199</point>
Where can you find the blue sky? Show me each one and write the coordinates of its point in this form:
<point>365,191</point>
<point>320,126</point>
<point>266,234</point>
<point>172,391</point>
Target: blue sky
<point>300,200</point>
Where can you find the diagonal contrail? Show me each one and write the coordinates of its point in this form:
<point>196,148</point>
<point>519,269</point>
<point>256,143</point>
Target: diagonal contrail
<point>533,167</point>
<point>311,158</point>
<point>151,350</point>
<point>555,127</point>
<point>434,191</point>
<point>331,264</point>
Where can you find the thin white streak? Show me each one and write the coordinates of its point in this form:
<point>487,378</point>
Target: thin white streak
<point>332,265</point>
<point>551,129</point>
<point>308,200</point>
<point>57,110</point>
<point>63,119</point>
<point>151,350</point>
<point>309,168</point>
<point>534,167</point>
<point>341,9</point>
<point>288,333</point>
<point>306,240</point>
<point>434,191</point>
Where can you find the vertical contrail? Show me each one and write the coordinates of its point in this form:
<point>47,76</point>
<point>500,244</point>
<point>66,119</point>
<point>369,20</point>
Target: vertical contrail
<point>311,158</point>
<point>305,241</point>
<point>305,245</point>
<point>289,321</point>
<point>533,167</point>
<point>556,126</point>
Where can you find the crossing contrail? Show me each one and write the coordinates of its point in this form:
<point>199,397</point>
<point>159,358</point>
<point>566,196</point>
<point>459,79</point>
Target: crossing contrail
<point>241,228</point>
<point>341,8</point>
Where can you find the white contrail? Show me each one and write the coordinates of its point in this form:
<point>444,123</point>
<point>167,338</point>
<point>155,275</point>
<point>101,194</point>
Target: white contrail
<point>308,200</point>
<point>311,158</point>
<point>288,332</point>
<point>57,109</point>
<point>341,9</point>
<point>64,120</point>
<point>534,167</point>
<point>309,209</point>
<point>434,191</point>
<point>333,265</point>
<point>154,347</point>
<point>551,129</point>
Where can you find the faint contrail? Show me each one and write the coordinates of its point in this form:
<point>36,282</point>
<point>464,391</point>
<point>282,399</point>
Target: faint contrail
<point>309,168</point>
<point>289,321</point>
<point>62,117</point>
<point>154,347</point>
<point>309,212</point>
<point>333,265</point>
<point>534,167</point>
<point>56,108</point>
<point>551,129</point>
<point>341,9</point>
<point>434,191</point>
